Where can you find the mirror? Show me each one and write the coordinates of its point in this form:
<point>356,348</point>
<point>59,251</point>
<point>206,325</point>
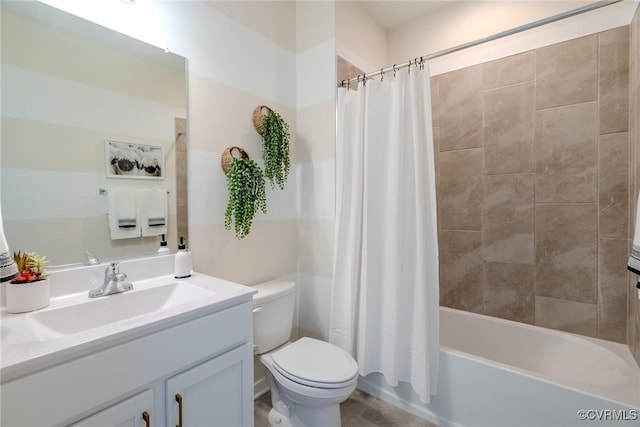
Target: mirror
<point>69,85</point>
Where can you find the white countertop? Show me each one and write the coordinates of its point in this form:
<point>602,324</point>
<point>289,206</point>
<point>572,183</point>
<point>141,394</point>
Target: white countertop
<point>28,346</point>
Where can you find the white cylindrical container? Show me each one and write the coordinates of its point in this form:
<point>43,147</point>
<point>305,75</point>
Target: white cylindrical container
<point>182,267</point>
<point>24,297</point>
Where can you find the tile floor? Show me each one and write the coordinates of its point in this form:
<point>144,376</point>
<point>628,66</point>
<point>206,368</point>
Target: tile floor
<point>360,410</point>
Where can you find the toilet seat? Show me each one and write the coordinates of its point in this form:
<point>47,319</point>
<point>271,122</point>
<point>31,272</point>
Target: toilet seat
<point>315,363</point>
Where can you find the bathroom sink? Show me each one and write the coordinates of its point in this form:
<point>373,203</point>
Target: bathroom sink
<point>95,312</point>
<point>81,318</point>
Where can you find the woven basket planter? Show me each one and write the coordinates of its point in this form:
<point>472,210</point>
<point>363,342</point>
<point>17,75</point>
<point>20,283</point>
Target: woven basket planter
<point>258,117</point>
<point>227,157</point>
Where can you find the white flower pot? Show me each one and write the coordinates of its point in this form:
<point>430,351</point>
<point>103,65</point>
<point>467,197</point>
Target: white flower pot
<point>23,297</point>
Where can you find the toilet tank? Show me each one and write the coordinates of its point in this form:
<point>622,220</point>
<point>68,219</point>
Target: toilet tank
<point>273,307</point>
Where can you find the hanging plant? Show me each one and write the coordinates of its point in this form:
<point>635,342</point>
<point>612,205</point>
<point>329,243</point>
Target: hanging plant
<point>246,186</point>
<point>275,144</point>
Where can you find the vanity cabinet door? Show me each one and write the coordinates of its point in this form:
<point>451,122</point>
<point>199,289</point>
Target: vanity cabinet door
<point>133,412</point>
<point>218,392</point>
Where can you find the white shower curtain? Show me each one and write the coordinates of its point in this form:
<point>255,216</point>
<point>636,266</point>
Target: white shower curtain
<point>385,297</point>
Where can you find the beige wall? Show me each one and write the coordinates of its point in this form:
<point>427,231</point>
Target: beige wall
<point>360,39</point>
<point>633,333</point>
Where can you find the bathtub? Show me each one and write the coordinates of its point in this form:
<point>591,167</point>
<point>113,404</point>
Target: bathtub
<point>496,372</point>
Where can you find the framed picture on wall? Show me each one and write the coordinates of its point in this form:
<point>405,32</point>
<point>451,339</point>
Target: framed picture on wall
<point>130,160</point>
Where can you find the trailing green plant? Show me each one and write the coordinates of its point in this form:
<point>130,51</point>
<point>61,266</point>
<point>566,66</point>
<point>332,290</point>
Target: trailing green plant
<point>31,267</point>
<point>275,148</point>
<point>246,185</point>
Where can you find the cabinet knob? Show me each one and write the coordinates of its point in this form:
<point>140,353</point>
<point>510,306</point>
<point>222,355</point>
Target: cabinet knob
<point>179,400</point>
<point>147,419</point>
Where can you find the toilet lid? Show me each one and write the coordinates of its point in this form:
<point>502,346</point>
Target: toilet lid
<point>316,363</point>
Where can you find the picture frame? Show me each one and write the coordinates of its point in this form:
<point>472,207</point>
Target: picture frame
<point>134,161</point>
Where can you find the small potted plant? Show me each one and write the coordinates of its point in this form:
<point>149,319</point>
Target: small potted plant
<point>246,186</point>
<point>274,131</point>
<point>29,290</point>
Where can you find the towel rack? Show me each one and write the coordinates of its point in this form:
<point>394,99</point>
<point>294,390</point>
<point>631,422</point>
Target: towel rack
<point>103,191</point>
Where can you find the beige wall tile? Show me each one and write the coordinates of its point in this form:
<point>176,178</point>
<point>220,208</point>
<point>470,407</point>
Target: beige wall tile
<point>612,287</point>
<point>566,238</point>
<point>508,129</point>
<point>509,291</point>
<point>612,319</point>
<point>613,80</point>
<point>436,150</point>
<point>510,70</point>
<point>566,154</point>
<point>508,218</point>
<point>460,189</point>
<point>461,269</point>
<point>570,316</point>
<point>567,73</point>
<point>612,267</point>
<point>461,109</point>
<point>540,123</point>
<point>613,185</point>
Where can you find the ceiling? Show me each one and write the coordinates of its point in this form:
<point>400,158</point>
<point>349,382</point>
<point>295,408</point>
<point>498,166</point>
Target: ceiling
<point>392,13</point>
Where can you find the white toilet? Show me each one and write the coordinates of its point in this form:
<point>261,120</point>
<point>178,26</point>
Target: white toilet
<point>308,378</point>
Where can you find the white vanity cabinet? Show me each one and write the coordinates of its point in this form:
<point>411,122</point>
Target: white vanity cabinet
<point>205,357</point>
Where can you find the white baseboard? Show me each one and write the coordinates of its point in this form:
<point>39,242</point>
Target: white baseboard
<point>260,387</point>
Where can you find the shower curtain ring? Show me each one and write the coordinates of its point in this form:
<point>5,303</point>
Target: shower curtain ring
<point>394,70</point>
<point>381,75</point>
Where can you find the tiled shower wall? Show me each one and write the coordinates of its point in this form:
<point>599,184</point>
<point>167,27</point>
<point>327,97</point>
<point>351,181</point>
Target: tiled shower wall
<point>533,185</point>
<point>633,335</point>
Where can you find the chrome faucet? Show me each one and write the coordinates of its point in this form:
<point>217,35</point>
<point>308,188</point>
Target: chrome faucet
<point>113,282</point>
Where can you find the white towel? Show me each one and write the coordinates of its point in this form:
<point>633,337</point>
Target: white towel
<point>154,211</point>
<point>123,215</point>
<point>634,260</point>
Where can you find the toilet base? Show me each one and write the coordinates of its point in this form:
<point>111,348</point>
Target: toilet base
<point>301,416</point>
<point>288,411</point>
<point>276,419</point>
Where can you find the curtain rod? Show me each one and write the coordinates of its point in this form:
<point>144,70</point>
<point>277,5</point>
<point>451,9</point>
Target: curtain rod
<point>420,60</point>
